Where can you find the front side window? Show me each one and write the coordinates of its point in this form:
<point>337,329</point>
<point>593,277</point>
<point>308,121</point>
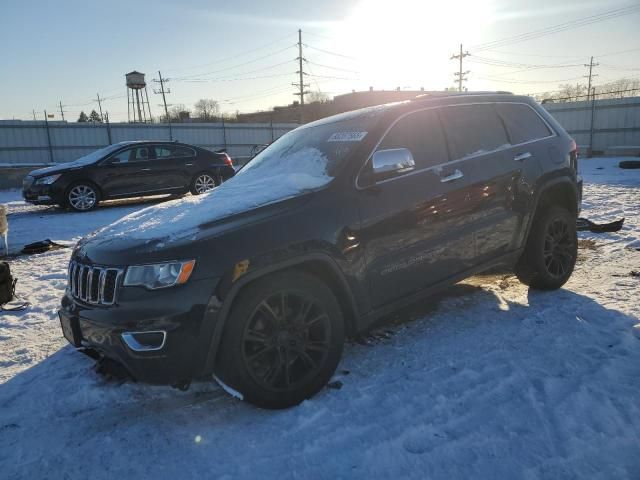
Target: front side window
<point>522,123</point>
<point>473,130</point>
<point>421,133</point>
<point>121,157</point>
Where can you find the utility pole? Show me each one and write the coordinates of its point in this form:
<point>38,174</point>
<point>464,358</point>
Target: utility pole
<point>34,114</point>
<point>61,111</point>
<point>591,74</point>
<point>460,74</point>
<point>100,107</point>
<point>162,91</point>
<point>301,86</point>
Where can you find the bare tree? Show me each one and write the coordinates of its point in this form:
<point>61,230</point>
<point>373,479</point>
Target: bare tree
<point>624,87</point>
<point>207,108</point>
<point>317,96</point>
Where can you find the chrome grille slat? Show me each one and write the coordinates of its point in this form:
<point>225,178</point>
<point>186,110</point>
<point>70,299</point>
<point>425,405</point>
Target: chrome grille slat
<point>82,279</point>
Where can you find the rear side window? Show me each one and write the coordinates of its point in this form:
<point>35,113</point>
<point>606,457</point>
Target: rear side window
<point>473,129</point>
<point>522,123</point>
<point>421,133</point>
<point>140,154</point>
<point>172,151</point>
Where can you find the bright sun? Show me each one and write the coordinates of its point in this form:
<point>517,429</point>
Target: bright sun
<point>408,42</point>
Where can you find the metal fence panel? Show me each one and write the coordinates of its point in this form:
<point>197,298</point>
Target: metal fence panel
<point>27,143</point>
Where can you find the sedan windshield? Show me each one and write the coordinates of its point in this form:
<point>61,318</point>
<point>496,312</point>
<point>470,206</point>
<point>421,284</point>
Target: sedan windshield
<point>96,155</point>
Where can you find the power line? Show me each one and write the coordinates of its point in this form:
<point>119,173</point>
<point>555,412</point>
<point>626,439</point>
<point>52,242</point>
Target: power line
<point>619,12</point>
<point>269,67</point>
<point>328,52</point>
<point>234,57</point>
<point>331,68</point>
<point>234,66</point>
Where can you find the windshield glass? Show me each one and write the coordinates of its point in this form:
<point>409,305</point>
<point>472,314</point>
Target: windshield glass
<point>318,150</point>
<point>96,155</point>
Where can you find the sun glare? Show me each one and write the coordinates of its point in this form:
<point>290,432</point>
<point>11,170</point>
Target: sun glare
<point>406,42</point>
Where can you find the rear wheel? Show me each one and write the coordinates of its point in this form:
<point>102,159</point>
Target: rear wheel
<point>204,182</point>
<point>283,340</point>
<point>82,197</point>
<point>551,250</point>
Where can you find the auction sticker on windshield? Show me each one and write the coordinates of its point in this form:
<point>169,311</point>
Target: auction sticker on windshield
<point>347,136</point>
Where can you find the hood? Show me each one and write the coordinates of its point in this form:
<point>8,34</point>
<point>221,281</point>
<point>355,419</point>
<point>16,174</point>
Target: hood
<point>65,167</point>
<point>104,248</point>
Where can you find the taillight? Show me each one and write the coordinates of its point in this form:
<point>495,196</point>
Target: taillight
<point>227,160</point>
<point>573,155</point>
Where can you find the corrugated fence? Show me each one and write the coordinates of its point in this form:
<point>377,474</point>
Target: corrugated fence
<point>616,128</point>
<point>616,123</point>
<point>37,143</point>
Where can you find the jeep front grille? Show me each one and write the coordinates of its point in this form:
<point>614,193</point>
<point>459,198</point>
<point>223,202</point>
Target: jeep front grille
<point>93,284</point>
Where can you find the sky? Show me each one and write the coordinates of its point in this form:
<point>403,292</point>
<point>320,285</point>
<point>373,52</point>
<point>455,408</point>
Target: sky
<point>243,53</point>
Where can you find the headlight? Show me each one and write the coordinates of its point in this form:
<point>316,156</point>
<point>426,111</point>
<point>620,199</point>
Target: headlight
<point>160,275</point>
<point>48,180</point>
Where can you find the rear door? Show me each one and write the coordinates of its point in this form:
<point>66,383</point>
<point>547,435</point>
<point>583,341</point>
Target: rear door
<point>174,164</point>
<point>482,150</point>
<point>412,223</point>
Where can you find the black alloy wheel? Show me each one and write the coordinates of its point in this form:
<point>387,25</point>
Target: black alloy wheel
<point>286,341</point>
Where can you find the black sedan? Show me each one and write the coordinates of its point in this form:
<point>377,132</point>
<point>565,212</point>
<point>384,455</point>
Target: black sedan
<point>128,169</point>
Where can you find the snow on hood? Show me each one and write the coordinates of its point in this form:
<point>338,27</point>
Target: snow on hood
<point>262,184</point>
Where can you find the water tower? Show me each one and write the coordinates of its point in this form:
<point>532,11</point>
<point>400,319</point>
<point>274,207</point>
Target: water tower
<point>136,98</point>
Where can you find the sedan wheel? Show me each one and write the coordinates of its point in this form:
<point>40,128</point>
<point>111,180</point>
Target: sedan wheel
<point>82,197</point>
<point>203,183</point>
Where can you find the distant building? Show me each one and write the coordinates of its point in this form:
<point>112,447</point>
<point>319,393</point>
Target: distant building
<point>339,103</point>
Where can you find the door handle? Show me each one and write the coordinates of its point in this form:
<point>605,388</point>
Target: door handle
<point>522,156</point>
<point>455,175</point>
<point>188,164</point>
<point>145,169</point>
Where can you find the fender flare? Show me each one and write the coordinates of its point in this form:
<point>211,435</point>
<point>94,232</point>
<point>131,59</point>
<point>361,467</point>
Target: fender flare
<point>540,192</point>
<point>218,311</point>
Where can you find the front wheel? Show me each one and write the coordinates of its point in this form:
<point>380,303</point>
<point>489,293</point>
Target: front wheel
<point>83,197</point>
<point>283,340</point>
<point>204,182</point>
<point>551,250</point>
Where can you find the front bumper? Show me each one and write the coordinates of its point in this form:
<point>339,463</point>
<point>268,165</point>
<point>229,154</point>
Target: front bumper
<point>161,337</point>
<point>43,194</point>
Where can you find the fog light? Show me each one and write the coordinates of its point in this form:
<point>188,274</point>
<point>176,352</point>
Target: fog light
<point>145,341</point>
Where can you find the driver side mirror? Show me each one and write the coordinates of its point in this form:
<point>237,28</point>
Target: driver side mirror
<point>395,160</point>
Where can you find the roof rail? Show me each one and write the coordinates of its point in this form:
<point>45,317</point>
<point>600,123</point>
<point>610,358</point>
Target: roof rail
<point>453,94</point>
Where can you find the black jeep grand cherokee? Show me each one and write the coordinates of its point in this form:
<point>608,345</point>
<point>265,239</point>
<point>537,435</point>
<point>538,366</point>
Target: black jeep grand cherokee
<point>336,223</point>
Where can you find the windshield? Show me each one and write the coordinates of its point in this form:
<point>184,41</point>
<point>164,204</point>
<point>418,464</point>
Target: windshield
<point>318,150</point>
<point>96,155</point>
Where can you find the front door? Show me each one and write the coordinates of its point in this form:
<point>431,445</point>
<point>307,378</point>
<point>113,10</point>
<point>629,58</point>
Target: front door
<point>129,172</point>
<point>412,225</point>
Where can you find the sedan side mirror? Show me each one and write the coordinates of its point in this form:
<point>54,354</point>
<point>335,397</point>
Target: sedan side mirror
<point>394,160</point>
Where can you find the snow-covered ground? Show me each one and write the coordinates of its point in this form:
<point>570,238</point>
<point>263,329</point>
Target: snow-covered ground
<point>488,380</point>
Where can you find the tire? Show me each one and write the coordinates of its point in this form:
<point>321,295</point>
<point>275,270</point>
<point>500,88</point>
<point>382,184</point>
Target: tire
<point>275,363</point>
<point>551,250</point>
<point>204,182</point>
<point>82,196</point>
